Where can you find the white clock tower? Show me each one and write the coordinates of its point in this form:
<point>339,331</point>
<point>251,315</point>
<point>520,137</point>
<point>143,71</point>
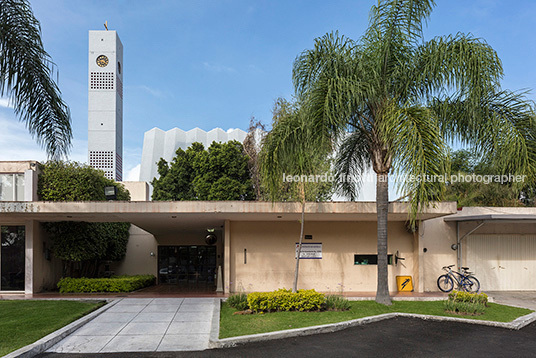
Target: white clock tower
<point>105,103</point>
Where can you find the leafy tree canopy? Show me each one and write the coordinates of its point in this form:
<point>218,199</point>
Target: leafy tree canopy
<point>71,181</point>
<point>292,149</point>
<point>218,173</point>
<point>82,245</point>
<point>485,191</point>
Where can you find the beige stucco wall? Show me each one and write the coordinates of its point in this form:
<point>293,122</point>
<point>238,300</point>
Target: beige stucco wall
<point>17,166</point>
<point>139,190</point>
<point>436,236</point>
<point>138,259</point>
<point>270,256</point>
<point>46,272</point>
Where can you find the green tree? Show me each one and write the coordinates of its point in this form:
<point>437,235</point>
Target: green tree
<point>395,100</point>
<point>252,146</point>
<point>219,173</point>
<point>486,191</point>
<point>82,246</point>
<point>292,149</point>
<point>26,75</point>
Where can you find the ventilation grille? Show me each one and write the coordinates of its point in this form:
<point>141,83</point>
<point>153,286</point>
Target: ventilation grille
<point>102,81</point>
<point>103,160</point>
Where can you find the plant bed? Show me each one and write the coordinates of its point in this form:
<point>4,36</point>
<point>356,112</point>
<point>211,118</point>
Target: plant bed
<point>113,284</point>
<point>23,322</point>
<point>466,304</point>
<point>286,300</point>
<point>237,325</point>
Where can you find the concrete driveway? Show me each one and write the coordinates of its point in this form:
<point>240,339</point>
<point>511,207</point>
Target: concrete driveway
<point>145,325</point>
<point>526,299</point>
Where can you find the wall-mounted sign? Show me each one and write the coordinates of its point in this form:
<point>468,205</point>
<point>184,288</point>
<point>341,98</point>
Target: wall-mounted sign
<point>309,250</point>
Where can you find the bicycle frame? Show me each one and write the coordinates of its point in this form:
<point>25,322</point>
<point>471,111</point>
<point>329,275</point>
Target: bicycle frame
<point>458,277</point>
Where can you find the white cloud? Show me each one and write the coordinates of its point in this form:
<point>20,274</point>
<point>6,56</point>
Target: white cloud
<point>133,174</point>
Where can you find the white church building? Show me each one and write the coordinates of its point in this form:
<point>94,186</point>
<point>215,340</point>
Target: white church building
<point>163,144</point>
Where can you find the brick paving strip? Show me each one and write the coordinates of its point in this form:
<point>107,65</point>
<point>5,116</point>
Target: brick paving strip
<point>145,325</point>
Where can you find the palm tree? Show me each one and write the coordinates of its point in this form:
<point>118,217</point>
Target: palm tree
<point>290,148</point>
<point>394,102</point>
<point>26,76</point>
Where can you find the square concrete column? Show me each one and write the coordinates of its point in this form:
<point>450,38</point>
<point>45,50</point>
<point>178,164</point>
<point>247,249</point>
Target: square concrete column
<point>227,257</point>
<point>29,257</point>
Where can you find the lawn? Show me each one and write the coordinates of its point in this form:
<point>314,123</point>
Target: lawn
<point>238,325</point>
<point>24,322</point>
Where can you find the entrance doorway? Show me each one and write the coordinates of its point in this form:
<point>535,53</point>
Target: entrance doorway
<point>189,267</point>
<point>12,258</point>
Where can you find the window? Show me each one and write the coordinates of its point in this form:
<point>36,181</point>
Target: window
<point>11,187</point>
<point>370,259</point>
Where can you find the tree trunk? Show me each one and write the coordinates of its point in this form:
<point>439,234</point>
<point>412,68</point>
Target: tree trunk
<point>295,286</point>
<point>382,208</point>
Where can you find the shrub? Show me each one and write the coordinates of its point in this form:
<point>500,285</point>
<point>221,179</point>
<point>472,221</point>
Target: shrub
<point>466,303</point>
<point>285,300</point>
<point>113,284</point>
<point>337,303</point>
<point>238,301</point>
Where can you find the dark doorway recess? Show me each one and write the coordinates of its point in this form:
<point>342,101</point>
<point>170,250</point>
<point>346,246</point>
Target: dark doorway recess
<point>190,267</point>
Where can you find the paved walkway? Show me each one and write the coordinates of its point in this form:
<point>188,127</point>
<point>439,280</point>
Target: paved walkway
<point>525,299</point>
<point>145,325</point>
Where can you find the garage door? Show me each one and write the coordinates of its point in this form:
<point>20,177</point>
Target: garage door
<point>502,262</point>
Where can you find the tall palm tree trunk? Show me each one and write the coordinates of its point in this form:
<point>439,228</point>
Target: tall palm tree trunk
<point>295,286</point>
<point>382,208</point>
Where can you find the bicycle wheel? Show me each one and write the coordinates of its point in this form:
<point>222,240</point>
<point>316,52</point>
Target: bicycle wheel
<point>445,283</point>
<point>471,284</point>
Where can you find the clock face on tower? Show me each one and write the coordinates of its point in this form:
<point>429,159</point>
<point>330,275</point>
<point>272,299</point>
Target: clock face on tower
<point>102,61</point>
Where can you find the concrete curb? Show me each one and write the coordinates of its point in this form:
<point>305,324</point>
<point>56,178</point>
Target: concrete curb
<point>48,341</point>
<point>333,327</point>
<point>215,327</point>
<point>420,299</point>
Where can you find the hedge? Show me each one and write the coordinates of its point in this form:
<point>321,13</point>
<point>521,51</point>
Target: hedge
<point>285,300</point>
<point>113,284</point>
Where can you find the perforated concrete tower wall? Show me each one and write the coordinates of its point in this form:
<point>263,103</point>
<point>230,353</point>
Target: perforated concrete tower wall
<point>105,103</point>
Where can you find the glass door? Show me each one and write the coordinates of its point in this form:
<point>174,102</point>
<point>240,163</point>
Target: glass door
<point>187,266</point>
<point>12,258</point>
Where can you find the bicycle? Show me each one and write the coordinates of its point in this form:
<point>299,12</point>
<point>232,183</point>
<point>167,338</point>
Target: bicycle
<point>464,280</point>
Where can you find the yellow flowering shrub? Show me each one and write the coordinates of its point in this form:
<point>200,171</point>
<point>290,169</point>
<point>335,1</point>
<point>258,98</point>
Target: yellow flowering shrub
<point>286,300</point>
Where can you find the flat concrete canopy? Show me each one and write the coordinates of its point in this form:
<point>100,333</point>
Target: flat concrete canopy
<point>160,217</point>
<point>504,218</point>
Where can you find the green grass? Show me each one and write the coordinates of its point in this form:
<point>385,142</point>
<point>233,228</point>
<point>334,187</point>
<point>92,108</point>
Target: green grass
<point>24,322</point>
<point>238,325</point>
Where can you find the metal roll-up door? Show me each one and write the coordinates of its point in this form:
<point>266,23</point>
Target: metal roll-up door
<point>502,262</point>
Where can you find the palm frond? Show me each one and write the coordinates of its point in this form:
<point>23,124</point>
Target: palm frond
<point>420,156</point>
<point>459,63</point>
<point>26,76</point>
<point>352,162</point>
<point>503,129</point>
<point>398,19</point>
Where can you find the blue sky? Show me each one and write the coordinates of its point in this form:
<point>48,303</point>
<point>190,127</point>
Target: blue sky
<point>217,63</point>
